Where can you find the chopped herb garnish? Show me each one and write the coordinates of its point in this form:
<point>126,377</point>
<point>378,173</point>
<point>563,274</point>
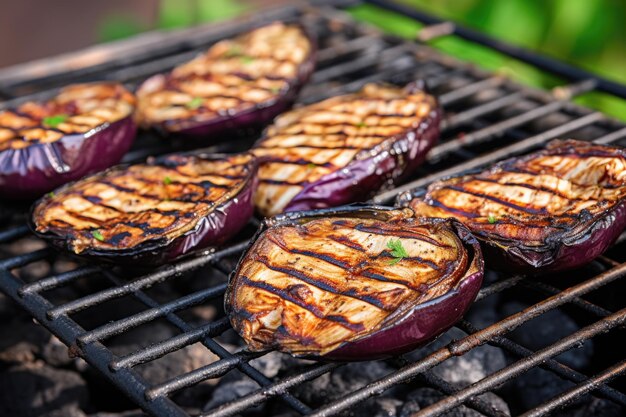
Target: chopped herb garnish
<point>492,219</point>
<point>54,121</point>
<point>233,51</point>
<point>311,166</point>
<point>397,251</point>
<point>167,180</point>
<point>195,103</point>
<point>97,235</point>
<point>51,194</point>
<point>247,59</point>
<point>361,124</point>
<point>275,90</point>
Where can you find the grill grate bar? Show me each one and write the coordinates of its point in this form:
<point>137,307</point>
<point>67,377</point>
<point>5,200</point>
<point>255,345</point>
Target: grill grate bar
<point>13,233</point>
<point>466,344</point>
<point>499,129</point>
<point>578,391</point>
<point>509,372</point>
<point>145,281</point>
<point>277,388</point>
<point>490,157</point>
<point>25,259</point>
<point>214,347</point>
<point>135,320</point>
<point>582,303</point>
<point>475,403</point>
<point>553,365</point>
<point>58,280</point>
<point>160,349</point>
<point>472,97</point>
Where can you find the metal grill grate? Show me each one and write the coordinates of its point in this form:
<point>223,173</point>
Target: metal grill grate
<point>487,117</point>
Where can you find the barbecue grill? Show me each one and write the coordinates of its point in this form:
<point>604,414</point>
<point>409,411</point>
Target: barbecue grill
<point>488,117</point>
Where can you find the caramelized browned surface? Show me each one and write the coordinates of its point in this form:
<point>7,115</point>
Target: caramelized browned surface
<point>125,207</point>
<point>82,106</point>
<point>543,196</point>
<point>232,76</point>
<point>311,287</point>
<point>308,143</point>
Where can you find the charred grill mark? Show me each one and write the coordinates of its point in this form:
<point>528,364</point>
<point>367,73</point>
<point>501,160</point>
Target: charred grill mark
<point>121,203</point>
<point>261,70</point>
<point>346,241</point>
<point>377,114</point>
<point>381,230</point>
<point>77,109</point>
<point>319,283</point>
<point>303,294</point>
<point>571,183</point>
<point>497,200</point>
<point>285,295</point>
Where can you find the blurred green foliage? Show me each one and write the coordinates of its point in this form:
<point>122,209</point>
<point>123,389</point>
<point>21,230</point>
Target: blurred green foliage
<point>587,33</point>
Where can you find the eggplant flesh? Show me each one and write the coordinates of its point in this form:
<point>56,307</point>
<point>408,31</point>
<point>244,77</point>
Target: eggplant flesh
<point>355,283</point>
<point>343,149</point>
<point>238,83</point>
<point>84,129</point>
<point>554,209</point>
<point>155,211</point>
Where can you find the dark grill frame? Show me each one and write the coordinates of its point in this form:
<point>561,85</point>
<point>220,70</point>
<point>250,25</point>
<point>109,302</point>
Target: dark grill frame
<point>488,117</point>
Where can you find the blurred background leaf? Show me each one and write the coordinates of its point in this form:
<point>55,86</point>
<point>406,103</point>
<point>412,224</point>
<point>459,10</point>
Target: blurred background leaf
<point>589,34</point>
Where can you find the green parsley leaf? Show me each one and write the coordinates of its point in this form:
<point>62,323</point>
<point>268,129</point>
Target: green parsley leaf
<point>167,180</point>
<point>361,124</point>
<point>97,235</point>
<point>275,90</point>
<point>247,59</point>
<point>54,121</point>
<point>311,166</point>
<point>234,50</point>
<point>397,251</point>
<point>492,219</point>
<point>51,194</point>
<point>194,104</point>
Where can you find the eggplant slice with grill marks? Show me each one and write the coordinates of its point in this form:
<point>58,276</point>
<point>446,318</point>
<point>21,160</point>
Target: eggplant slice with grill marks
<point>153,212</point>
<point>344,149</point>
<point>83,129</point>
<point>352,283</point>
<point>554,209</point>
<point>238,83</point>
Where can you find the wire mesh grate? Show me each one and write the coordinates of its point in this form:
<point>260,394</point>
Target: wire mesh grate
<point>488,117</point>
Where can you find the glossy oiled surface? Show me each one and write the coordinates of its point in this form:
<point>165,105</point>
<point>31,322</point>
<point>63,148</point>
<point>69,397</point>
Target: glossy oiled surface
<point>308,288</point>
<point>540,198</point>
<point>234,75</point>
<point>306,144</point>
<point>81,107</point>
<point>125,207</point>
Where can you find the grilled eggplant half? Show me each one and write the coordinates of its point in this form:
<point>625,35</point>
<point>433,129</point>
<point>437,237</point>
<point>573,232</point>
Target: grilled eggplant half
<point>238,83</point>
<point>152,212</point>
<point>353,283</point>
<point>85,128</point>
<point>555,209</point>
<point>343,149</point>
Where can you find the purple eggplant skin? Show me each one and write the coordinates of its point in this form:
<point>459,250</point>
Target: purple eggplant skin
<point>29,172</point>
<point>417,326</point>
<point>363,175</point>
<point>255,117</point>
<point>589,235</point>
<point>213,230</point>
<point>390,162</point>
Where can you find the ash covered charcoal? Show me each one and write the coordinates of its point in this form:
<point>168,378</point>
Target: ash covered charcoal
<point>423,397</point>
<point>235,384</point>
<point>468,368</point>
<point>36,389</point>
<point>593,407</point>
